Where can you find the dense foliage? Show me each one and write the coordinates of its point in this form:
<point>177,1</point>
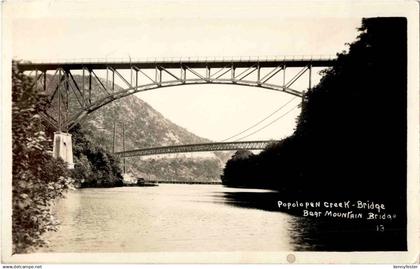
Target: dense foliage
<point>350,139</point>
<point>94,165</point>
<point>38,178</point>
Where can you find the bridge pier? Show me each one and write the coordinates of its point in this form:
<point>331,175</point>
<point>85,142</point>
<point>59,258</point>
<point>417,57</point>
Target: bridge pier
<point>63,148</point>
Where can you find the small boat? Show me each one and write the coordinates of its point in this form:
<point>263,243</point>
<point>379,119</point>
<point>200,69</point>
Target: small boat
<point>143,183</point>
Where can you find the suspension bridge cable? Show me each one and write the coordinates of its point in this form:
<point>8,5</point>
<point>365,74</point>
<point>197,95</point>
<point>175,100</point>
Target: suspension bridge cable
<point>256,124</point>
<point>265,126</point>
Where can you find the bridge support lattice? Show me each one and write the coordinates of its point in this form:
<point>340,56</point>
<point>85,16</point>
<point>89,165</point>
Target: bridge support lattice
<point>71,98</point>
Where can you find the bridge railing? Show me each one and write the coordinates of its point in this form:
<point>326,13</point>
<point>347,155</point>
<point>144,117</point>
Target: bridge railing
<point>184,59</point>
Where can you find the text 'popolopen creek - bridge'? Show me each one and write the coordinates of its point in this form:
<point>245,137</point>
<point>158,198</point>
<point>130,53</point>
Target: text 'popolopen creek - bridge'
<point>69,86</point>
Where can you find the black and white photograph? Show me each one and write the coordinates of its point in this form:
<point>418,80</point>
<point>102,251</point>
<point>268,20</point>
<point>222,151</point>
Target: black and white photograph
<point>187,131</point>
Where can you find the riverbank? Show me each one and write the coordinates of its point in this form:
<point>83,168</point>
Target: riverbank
<point>146,184</point>
<point>190,182</point>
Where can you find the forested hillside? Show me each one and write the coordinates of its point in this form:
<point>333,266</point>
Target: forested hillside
<point>350,139</point>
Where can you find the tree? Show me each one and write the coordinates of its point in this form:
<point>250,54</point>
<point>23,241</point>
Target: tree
<point>350,142</point>
<point>94,165</point>
<point>350,138</point>
<point>37,178</point>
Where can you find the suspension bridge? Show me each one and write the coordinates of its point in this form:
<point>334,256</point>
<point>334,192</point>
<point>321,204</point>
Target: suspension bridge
<point>217,146</point>
<point>58,81</point>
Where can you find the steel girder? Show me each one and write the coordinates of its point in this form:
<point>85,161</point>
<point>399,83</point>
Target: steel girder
<point>149,75</point>
<point>220,146</point>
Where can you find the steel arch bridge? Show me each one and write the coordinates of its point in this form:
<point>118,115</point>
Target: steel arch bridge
<point>57,79</point>
<point>221,146</point>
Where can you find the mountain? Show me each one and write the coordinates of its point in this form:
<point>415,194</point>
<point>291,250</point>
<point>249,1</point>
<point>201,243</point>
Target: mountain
<point>145,127</point>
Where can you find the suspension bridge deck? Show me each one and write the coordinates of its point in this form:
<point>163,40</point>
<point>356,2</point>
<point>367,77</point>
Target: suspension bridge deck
<point>218,146</point>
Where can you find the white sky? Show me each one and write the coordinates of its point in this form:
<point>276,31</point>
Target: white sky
<point>77,29</point>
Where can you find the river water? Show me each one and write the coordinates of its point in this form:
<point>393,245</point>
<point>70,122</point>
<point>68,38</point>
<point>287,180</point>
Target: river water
<point>170,217</point>
<point>191,218</point>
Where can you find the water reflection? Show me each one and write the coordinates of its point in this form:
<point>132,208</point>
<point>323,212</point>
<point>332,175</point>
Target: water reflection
<point>326,234</point>
<point>167,218</point>
<point>203,218</point>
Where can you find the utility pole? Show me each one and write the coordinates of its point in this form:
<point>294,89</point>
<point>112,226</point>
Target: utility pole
<point>113,107</point>
<point>59,103</point>
<point>123,140</point>
<point>113,137</point>
<point>310,77</point>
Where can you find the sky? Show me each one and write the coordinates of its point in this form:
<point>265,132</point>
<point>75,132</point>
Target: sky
<point>74,30</point>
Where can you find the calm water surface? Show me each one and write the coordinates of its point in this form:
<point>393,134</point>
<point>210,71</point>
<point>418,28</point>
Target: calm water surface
<point>169,217</point>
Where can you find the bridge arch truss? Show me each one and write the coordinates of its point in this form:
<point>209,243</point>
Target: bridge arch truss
<point>58,81</point>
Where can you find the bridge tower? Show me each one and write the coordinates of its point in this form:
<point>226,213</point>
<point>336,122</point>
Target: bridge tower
<point>63,148</point>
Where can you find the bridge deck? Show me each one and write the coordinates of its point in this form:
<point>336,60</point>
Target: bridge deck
<point>220,146</point>
<point>262,72</point>
<point>191,62</point>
